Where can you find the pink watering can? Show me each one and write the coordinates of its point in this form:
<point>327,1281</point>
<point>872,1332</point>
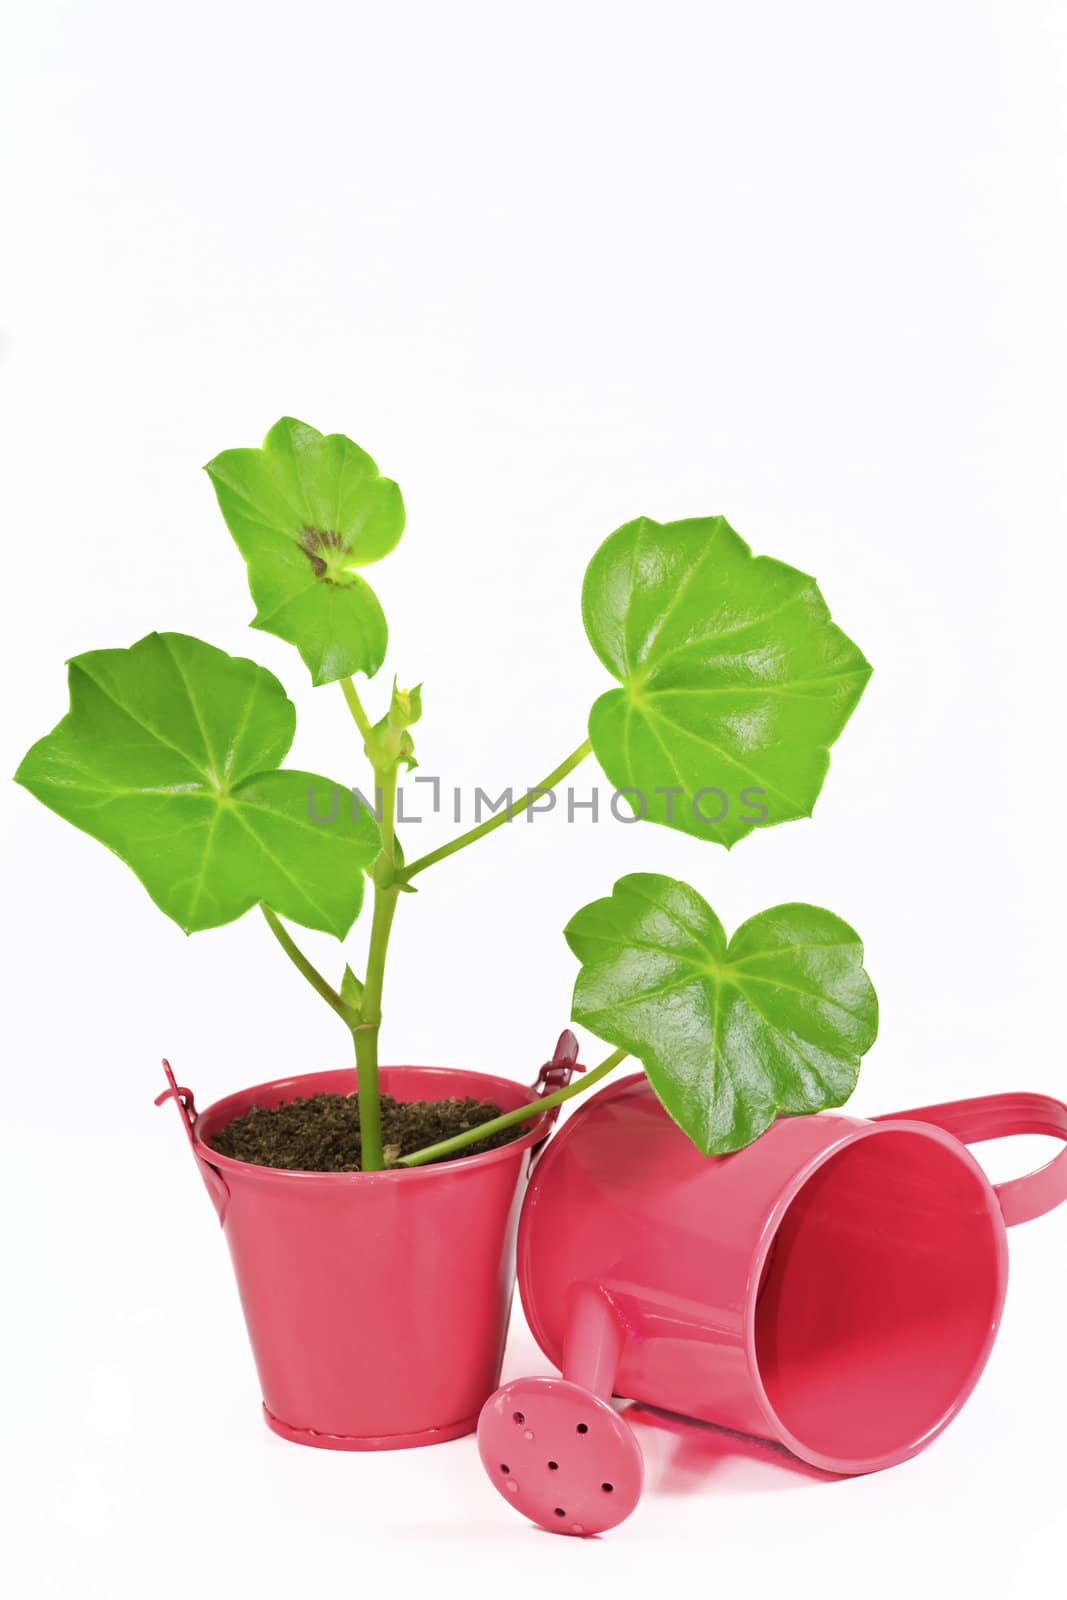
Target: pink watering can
<point>835,1287</point>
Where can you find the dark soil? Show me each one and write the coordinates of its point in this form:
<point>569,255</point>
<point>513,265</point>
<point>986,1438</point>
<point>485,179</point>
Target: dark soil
<point>322,1134</point>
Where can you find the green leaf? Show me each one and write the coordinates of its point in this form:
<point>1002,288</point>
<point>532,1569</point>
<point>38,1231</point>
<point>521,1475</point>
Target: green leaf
<point>729,1034</point>
<point>304,511</point>
<point>735,682</point>
<point>168,755</point>
<point>352,990</point>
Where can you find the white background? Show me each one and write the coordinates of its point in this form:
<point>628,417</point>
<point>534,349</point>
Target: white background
<point>555,266</point>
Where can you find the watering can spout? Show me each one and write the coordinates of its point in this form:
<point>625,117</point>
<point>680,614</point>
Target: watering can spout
<point>554,1447</point>
<point>214,1182</point>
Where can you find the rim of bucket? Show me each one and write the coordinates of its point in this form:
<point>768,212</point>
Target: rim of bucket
<point>215,1158</point>
<point>854,1135</point>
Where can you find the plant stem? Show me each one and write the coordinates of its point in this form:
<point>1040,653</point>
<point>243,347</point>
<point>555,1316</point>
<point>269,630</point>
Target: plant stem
<point>304,966</point>
<point>501,817</point>
<point>367,1032</point>
<point>362,721</point>
<point>387,825</point>
<point>459,1141</point>
<point>387,886</point>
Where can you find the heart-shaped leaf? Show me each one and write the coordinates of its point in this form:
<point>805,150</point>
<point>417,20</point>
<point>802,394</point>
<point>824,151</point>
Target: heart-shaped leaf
<point>735,682</point>
<point>730,1034</point>
<point>304,511</point>
<point>169,756</point>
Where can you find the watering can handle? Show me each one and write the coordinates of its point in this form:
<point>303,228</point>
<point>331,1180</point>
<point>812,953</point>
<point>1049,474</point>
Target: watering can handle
<point>1000,1116</point>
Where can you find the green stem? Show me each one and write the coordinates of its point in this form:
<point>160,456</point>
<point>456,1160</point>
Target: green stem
<point>387,782</point>
<point>447,1147</point>
<point>360,717</point>
<point>501,817</point>
<point>386,892</point>
<point>366,1034</point>
<point>304,966</point>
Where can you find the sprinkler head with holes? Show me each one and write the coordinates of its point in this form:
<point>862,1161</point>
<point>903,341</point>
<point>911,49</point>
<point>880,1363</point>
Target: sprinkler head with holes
<point>560,1455</point>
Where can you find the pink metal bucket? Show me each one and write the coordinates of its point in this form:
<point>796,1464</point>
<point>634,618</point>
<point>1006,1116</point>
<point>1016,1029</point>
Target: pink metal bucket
<point>376,1303</point>
<point>836,1287</point>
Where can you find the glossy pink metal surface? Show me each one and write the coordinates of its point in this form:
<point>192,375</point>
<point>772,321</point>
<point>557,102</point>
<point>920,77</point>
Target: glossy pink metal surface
<point>376,1303</point>
<point>835,1287</point>
<point>554,1447</point>
<point>560,1455</point>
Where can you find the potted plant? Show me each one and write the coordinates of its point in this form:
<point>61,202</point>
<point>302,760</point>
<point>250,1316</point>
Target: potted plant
<point>370,1211</point>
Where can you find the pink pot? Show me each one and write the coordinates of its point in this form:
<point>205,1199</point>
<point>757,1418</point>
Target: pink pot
<point>836,1287</point>
<point>377,1303</point>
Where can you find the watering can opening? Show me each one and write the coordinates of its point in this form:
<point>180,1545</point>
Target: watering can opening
<point>880,1296</point>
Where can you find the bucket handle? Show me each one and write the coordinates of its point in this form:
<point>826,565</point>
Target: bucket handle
<point>214,1182</point>
<point>555,1074</point>
<point>1000,1116</point>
